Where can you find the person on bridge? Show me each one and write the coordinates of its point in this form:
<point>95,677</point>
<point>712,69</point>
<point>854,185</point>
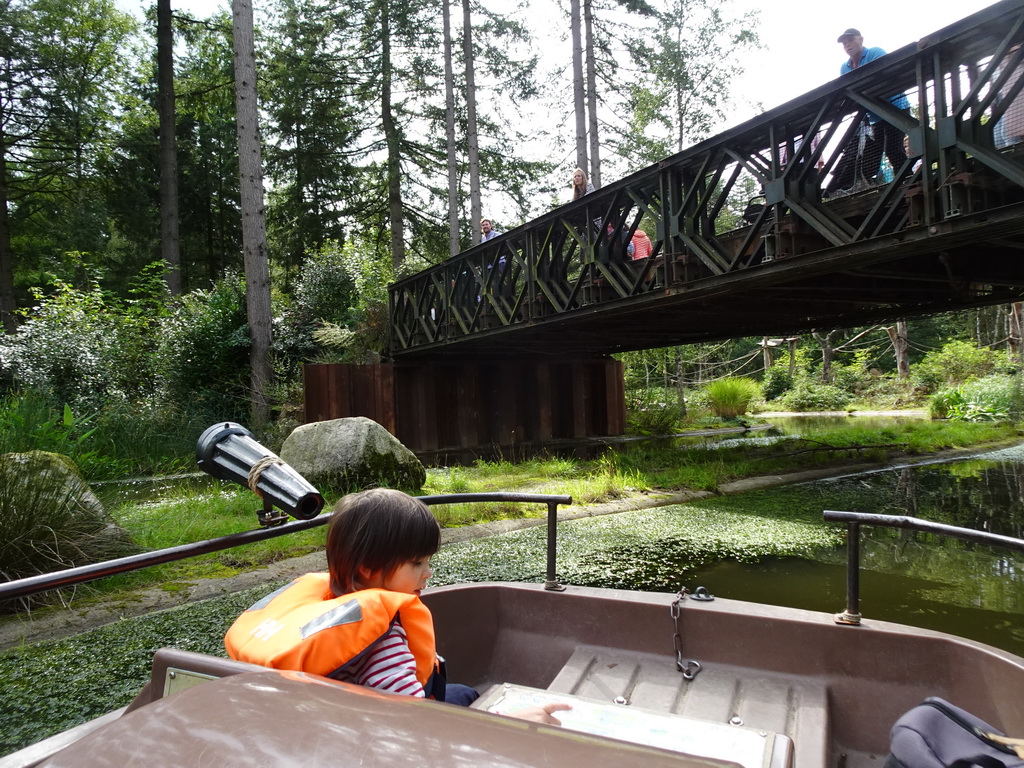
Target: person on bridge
<point>487,232</point>
<point>580,185</point>
<point>642,246</point>
<point>862,155</point>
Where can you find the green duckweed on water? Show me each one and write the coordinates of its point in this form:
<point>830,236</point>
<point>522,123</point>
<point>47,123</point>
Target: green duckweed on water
<point>51,686</point>
<point>651,549</point>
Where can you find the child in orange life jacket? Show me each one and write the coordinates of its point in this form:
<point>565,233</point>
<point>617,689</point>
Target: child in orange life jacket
<point>362,622</point>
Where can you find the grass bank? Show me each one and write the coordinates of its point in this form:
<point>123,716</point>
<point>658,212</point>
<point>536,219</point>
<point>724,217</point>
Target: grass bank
<point>191,513</point>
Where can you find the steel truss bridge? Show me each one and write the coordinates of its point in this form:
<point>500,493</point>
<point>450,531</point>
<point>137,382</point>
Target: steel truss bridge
<point>750,235</point>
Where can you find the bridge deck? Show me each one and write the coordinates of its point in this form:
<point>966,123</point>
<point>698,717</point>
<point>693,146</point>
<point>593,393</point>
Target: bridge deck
<point>942,231</point>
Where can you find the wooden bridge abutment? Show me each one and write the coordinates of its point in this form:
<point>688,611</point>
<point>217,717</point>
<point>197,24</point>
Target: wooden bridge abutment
<point>474,404</point>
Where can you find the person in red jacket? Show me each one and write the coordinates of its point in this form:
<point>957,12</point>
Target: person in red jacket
<point>642,246</point>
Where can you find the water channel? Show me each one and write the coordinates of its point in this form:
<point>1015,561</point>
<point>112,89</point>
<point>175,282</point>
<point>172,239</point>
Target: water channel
<point>773,547</point>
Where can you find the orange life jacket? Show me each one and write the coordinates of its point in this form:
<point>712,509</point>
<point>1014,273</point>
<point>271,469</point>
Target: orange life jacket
<point>303,627</point>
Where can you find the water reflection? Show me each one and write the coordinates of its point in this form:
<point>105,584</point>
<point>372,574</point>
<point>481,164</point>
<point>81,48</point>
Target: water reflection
<point>805,424</point>
<point>914,578</point>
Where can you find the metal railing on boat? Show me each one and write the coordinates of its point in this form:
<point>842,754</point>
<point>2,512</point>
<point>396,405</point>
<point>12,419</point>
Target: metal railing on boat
<point>853,522</point>
<point>32,585</point>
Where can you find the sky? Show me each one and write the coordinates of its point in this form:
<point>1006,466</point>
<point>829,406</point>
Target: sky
<point>799,35</point>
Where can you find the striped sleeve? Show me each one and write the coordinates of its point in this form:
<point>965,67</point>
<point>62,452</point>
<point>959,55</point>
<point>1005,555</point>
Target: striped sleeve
<point>390,666</point>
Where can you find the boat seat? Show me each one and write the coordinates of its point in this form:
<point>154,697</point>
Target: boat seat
<point>719,693</point>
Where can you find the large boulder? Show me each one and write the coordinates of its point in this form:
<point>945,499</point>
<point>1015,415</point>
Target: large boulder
<point>351,454</point>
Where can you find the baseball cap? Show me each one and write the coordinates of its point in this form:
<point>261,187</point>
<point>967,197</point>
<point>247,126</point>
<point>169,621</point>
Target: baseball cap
<point>851,32</point>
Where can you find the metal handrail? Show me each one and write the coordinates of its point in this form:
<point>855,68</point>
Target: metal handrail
<point>853,522</point>
<point>85,573</point>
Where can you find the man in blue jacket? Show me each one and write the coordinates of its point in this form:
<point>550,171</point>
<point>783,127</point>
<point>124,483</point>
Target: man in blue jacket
<point>874,137</point>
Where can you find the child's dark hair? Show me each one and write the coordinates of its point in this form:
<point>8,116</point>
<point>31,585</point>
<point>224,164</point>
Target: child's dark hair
<point>377,530</point>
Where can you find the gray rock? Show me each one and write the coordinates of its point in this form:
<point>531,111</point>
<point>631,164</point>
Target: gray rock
<point>351,454</point>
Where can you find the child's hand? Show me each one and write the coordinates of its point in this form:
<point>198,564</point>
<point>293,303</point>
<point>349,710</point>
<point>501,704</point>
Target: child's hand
<point>542,714</point>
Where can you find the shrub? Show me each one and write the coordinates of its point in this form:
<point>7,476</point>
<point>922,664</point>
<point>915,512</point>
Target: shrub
<point>203,358</point>
<point>730,398</point>
<point>323,296</point>
<point>652,411</point>
<point>990,399</point>
<point>954,364</point>
<point>776,381</point>
<point>941,401</point>
<point>813,396</point>
<point>82,348</point>
<point>325,290</point>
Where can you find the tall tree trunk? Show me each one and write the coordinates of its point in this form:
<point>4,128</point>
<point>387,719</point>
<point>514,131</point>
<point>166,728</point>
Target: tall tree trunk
<point>900,347</point>
<point>578,85</point>
<point>170,241</point>
<point>680,93</point>
<point>680,382</point>
<point>595,143</point>
<point>7,305</point>
<point>827,353</point>
<point>1016,347</point>
<point>393,140</point>
<point>472,135</point>
<point>449,109</point>
<point>254,231</point>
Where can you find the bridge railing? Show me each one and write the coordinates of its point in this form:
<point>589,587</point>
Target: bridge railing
<point>847,166</point>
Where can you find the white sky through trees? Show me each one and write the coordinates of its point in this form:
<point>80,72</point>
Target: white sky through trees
<point>799,35</point>
<point>800,51</point>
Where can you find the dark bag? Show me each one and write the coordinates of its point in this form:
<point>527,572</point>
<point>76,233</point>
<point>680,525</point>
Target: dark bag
<point>936,734</point>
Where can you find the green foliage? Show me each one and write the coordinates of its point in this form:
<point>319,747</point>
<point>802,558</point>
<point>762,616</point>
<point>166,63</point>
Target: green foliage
<point>64,65</point>
<point>141,439</point>
<point>652,411</point>
<point>814,396</point>
<point>686,62</point>
<point>990,399</point>
<point>121,439</point>
<point>83,347</point>
<point>322,298</point>
<point>30,422</point>
<point>776,381</point>
<point>76,691</point>
<point>326,288</point>
<point>731,398</point>
<point>339,312</point>
<point>953,364</point>
<point>203,358</point>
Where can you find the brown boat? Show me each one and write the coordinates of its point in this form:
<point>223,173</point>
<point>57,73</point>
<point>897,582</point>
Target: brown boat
<point>653,679</point>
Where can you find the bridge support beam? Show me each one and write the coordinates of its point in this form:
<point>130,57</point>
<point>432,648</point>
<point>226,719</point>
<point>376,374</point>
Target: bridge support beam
<point>474,404</point>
